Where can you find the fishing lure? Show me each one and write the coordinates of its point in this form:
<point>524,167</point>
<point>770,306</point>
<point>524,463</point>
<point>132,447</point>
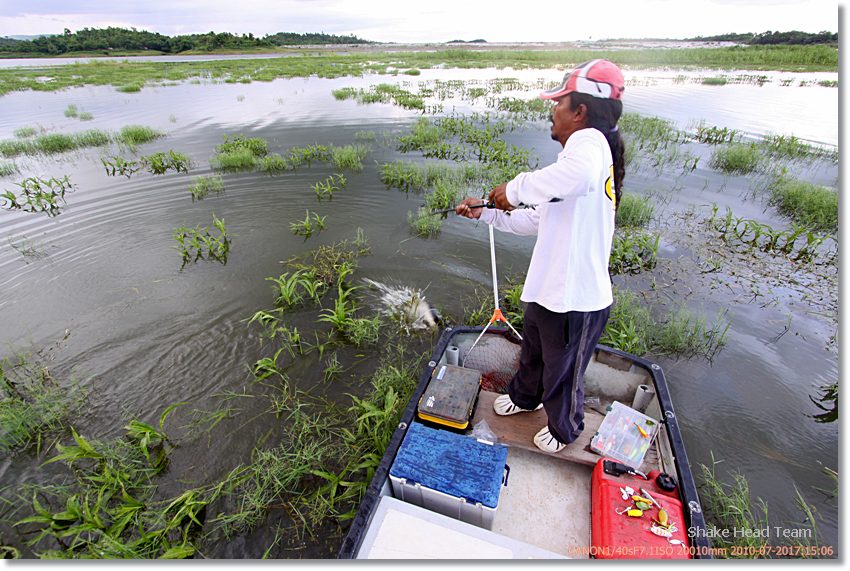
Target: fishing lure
<point>661,532</point>
<point>643,432</point>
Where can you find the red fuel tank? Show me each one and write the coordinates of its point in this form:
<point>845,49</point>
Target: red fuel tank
<point>617,535</point>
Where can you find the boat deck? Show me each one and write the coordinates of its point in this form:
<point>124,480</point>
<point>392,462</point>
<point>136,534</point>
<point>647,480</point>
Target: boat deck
<point>518,430</point>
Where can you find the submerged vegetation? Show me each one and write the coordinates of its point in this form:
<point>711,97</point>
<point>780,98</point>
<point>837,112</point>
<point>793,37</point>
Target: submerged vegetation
<point>203,185</point>
<point>33,405</point>
<point>809,205</point>
<point>632,328</point>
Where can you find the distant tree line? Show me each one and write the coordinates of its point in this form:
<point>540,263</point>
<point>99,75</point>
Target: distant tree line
<point>91,39</point>
<point>773,38</point>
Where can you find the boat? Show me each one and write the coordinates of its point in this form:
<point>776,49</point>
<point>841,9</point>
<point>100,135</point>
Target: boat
<point>549,505</point>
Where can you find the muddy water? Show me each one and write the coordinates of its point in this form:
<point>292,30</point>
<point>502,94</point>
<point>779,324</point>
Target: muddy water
<point>144,334</point>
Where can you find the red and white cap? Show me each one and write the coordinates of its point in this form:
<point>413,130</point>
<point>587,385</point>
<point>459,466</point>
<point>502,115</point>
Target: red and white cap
<point>598,77</point>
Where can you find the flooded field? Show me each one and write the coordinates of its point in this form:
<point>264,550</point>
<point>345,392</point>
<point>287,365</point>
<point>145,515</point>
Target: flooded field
<point>100,295</point>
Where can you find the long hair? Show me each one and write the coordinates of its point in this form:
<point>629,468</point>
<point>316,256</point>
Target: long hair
<point>603,114</point>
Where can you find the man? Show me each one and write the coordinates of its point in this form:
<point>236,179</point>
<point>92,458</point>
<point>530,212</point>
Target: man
<point>567,289</point>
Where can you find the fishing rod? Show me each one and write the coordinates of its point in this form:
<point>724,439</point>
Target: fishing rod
<point>487,205</point>
<point>471,207</point>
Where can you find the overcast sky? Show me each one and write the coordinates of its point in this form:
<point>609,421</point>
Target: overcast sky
<point>428,20</point>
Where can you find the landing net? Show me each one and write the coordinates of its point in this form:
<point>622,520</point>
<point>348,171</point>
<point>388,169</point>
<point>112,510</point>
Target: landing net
<point>497,357</point>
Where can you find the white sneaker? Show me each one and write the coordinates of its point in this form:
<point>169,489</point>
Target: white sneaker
<point>504,406</point>
<point>548,443</point>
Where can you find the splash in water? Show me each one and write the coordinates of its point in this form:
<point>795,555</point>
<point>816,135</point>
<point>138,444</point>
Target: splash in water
<point>404,304</point>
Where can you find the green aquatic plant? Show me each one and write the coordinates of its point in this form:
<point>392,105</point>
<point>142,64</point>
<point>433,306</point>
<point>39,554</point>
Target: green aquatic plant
<point>203,185</point>
<point>404,176</point>
<point>133,135</point>
<point>714,81</point>
<point>332,368</point>
<point>349,157</point>
<point>633,251</point>
<point>239,153</point>
<point>362,331</point>
<point>200,244</point>
<point>120,166</point>
<point>85,116</point>
<point>273,164</point>
<point>424,224</point>
<point>737,158</point>
<point>25,132</point>
<point>162,162</point>
<point>38,195</point>
<point>8,168</point>
<point>71,111</point>
<point>312,224</point>
<point>33,405</point>
<point>712,135</point>
<point>827,401</point>
<point>326,188</point>
<point>807,204</point>
<point>108,509</point>
<point>287,289</point>
<point>632,328</point>
<point>634,211</point>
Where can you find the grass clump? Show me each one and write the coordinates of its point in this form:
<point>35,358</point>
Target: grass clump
<point>52,143</point>
<point>632,328</point>
<point>813,206</point>
<point>91,138</point>
<point>109,509</point>
<point>714,81</point>
<point>633,251</point>
<point>8,168</point>
<point>634,211</point>
<point>71,111</point>
<point>349,157</point>
<point>239,153</point>
<point>424,224</point>
<point>132,135</point>
<point>25,132</point>
<point>160,163</point>
<point>273,164</point>
<point>403,175</point>
<point>32,405</point>
<point>203,185</point>
<point>129,88</point>
<point>737,158</point>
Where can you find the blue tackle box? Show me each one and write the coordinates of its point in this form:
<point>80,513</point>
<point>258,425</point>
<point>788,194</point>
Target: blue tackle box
<point>455,475</point>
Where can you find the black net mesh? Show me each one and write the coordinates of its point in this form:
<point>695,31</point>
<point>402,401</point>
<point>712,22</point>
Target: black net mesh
<point>497,357</point>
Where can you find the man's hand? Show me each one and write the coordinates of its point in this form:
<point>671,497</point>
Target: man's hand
<point>498,196</point>
<point>463,209</point>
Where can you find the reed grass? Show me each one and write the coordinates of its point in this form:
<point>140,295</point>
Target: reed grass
<point>52,143</point>
<point>203,185</point>
<point>238,160</point>
<point>71,111</point>
<point>404,176</point>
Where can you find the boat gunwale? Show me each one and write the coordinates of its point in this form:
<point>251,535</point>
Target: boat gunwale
<point>692,508</point>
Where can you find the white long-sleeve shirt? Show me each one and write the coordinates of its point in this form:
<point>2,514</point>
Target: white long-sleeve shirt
<point>569,265</point>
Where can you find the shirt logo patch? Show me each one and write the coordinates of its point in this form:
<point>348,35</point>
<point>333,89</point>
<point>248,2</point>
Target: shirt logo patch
<point>609,187</point>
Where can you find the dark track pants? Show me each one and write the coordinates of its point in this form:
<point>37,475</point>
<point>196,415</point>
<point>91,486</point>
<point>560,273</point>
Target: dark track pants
<point>556,349</point>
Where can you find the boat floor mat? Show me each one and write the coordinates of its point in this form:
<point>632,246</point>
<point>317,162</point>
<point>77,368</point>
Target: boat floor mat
<point>519,430</point>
